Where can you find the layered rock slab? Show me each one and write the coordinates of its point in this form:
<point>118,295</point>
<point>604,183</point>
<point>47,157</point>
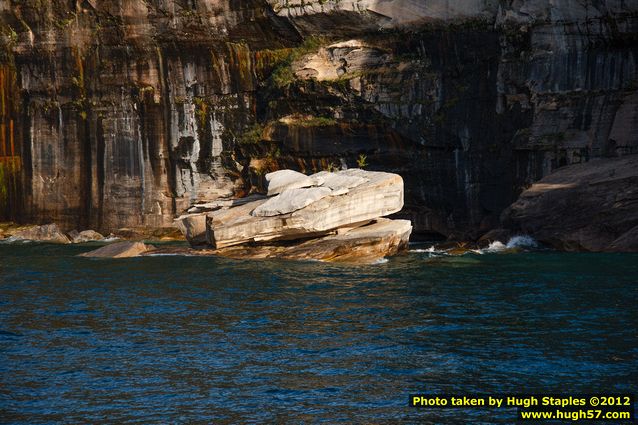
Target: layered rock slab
<point>337,218</point>
<point>291,200</point>
<point>280,180</point>
<point>125,249</point>
<point>380,195</point>
<point>366,244</point>
<point>45,233</point>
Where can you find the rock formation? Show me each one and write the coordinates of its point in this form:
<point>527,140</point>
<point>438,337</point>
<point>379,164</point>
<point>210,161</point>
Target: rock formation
<point>124,249</point>
<point>590,207</point>
<point>45,233</point>
<point>85,236</point>
<point>123,113</point>
<point>365,244</point>
<point>337,219</point>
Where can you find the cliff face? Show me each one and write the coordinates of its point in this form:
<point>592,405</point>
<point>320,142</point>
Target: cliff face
<point>124,113</point>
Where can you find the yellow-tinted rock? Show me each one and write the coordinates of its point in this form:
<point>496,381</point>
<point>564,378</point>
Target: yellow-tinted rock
<point>120,250</point>
<point>365,244</point>
<point>380,195</point>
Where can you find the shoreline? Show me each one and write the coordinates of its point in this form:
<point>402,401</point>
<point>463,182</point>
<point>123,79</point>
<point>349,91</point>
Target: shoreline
<point>506,242</point>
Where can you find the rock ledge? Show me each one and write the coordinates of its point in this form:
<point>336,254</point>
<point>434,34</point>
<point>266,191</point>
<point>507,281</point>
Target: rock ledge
<point>326,216</point>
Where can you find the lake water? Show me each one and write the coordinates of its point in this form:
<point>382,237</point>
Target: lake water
<point>173,339</point>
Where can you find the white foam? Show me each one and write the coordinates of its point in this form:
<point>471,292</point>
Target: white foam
<point>516,242</point>
<point>429,250</point>
<point>522,241</point>
<point>13,239</point>
<point>495,246</point>
<point>519,241</point>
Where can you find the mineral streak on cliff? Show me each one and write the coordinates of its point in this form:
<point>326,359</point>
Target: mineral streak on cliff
<point>123,113</point>
<point>10,161</point>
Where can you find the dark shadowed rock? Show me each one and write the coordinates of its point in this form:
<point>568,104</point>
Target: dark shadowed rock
<point>628,242</point>
<point>589,207</point>
<point>495,235</point>
<point>120,250</point>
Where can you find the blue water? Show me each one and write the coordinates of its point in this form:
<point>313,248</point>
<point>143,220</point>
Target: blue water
<point>206,340</point>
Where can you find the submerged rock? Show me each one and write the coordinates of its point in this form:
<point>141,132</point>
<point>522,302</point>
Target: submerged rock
<point>45,233</point>
<point>588,207</point>
<point>120,250</point>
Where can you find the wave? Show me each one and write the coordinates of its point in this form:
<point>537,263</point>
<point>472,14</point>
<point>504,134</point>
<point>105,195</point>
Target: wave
<point>515,243</point>
<point>13,239</point>
<point>519,242</point>
<point>522,241</point>
<point>380,261</point>
<point>431,249</point>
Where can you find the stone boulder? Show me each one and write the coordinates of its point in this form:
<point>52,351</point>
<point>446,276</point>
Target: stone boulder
<point>337,218</point>
<point>280,180</point>
<point>124,249</point>
<point>380,196</point>
<point>86,236</point>
<point>290,200</point>
<point>585,207</point>
<point>341,180</point>
<point>45,233</point>
<point>365,244</point>
<point>193,227</point>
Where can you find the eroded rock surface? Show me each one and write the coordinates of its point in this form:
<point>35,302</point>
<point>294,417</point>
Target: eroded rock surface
<point>45,233</point>
<point>280,180</point>
<point>124,249</point>
<point>122,114</point>
<point>338,219</point>
<point>366,244</point>
<point>87,236</point>
<point>380,196</point>
<point>588,207</point>
<point>291,200</point>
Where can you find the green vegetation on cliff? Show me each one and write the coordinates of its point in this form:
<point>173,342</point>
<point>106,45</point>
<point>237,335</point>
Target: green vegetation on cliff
<point>283,75</point>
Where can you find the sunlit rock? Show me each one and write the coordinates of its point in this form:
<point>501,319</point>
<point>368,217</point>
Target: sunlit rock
<point>193,227</point>
<point>365,244</point>
<point>45,233</point>
<point>87,236</point>
<point>278,181</point>
<point>380,196</point>
<point>124,249</point>
<point>346,179</point>
<point>337,219</point>
<point>291,200</point>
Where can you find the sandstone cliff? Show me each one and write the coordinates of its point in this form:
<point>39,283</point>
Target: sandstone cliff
<point>123,113</point>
